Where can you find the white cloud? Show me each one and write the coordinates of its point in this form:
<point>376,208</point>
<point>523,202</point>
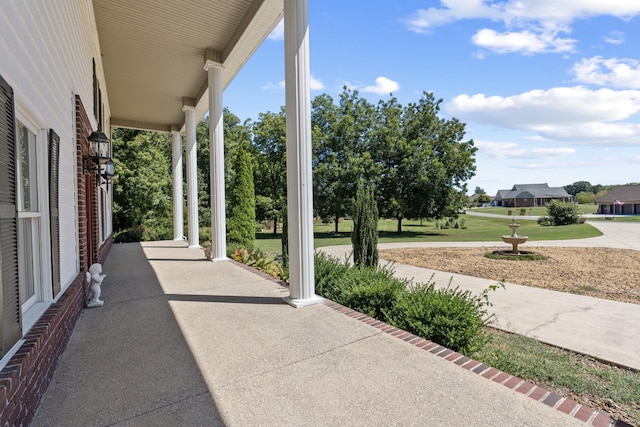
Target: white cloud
<point>517,12</point>
<point>619,73</point>
<point>315,84</point>
<point>531,26</point>
<point>278,32</point>
<point>523,41</point>
<point>614,37</point>
<point>511,150</point>
<point>383,86</point>
<point>575,114</point>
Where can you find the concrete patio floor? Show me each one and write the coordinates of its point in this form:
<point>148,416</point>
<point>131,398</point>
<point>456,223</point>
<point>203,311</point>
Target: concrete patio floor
<point>185,342</point>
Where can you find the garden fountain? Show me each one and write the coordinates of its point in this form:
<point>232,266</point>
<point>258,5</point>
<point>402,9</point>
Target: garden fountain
<point>514,239</point>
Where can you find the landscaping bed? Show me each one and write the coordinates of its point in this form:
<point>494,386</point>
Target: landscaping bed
<point>598,272</point>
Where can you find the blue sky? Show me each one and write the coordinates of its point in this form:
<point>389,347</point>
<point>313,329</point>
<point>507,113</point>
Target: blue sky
<point>549,89</point>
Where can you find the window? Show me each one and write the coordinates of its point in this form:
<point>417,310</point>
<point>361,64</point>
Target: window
<point>28,215</point>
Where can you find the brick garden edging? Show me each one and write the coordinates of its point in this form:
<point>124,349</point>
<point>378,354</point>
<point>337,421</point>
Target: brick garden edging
<point>565,405</point>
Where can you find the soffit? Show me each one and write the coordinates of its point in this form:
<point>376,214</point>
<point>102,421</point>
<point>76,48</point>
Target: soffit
<point>153,52</point>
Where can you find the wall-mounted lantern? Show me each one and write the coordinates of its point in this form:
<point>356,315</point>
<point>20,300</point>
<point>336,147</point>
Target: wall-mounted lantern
<point>99,147</point>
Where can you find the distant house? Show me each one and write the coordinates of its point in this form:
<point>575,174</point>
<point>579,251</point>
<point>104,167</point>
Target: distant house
<point>623,200</point>
<point>528,195</point>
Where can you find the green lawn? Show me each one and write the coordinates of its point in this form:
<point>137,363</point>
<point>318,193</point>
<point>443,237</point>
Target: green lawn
<point>535,211</point>
<point>566,373</point>
<point>478,229</point>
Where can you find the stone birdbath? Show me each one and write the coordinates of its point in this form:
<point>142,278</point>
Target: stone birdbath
<point>514,239</point>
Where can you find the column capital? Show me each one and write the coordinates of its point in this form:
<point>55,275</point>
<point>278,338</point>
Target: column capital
<point>175,129</point>
<point>188,104</point>
<point>212,58</point>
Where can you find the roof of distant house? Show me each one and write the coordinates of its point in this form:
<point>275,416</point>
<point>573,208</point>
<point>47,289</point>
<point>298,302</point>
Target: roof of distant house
<point>532,190</point>
<point>624,193</point>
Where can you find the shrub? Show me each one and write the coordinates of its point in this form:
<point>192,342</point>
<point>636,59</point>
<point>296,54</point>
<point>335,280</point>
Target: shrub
<point>562,213</point>
<point>365,228</point>
<point>451,317</point>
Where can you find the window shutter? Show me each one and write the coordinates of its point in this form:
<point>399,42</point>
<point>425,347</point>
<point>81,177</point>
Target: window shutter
<point>54,220</point>
<point>10,328</point>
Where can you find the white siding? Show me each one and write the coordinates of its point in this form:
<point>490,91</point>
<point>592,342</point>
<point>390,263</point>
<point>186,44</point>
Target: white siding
<point>46,51</point>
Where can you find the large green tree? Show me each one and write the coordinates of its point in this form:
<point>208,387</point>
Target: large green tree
<point>269,151</point>
<point>143,184</point>
<point>423,158</point>
<point>341,156</point>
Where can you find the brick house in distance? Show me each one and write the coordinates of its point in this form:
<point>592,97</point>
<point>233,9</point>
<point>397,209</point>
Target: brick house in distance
<point>529,195</point>
<point>623,200</point>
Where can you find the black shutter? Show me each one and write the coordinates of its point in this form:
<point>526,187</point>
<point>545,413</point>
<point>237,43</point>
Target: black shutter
<point>54,220</point>
<point>10,328</point>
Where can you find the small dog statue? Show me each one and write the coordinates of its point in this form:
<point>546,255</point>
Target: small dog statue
<point>94,280</point>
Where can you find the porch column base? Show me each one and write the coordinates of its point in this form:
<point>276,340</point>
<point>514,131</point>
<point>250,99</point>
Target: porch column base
<point>224,258</point>
<point>195,247</point>
<point>303,302</point>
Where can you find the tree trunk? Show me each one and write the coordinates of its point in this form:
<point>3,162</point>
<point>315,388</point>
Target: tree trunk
<point>337,218</point>
<point>275,225</point>
<point>399,225</point>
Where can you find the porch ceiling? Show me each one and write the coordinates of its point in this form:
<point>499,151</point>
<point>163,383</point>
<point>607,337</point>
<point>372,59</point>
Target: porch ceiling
<point>153,52</point>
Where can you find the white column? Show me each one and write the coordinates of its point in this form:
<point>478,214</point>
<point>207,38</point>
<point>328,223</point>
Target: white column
<point>192,176</point>
<point>299,180</point>
<point>178,219</point>
<point>216,162</point>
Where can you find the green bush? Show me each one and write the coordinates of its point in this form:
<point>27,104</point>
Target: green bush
<point>562,213</point>
<point>450,317</point>
<point>242,205</point>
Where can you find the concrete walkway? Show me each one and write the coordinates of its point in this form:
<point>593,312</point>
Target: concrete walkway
<point>607,330</point>
<point>185,342</point>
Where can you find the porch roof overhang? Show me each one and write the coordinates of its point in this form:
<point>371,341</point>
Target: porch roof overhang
<point>153,53</point>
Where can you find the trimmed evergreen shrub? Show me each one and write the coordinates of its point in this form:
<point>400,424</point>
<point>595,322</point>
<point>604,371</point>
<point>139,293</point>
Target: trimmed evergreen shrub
<point>365,228</point>
<point>240,225</point>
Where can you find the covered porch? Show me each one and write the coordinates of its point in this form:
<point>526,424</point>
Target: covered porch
<point>182,341</point>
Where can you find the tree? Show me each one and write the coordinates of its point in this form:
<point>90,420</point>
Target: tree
<point>479,191</point>
<point>270,154</point>
<point>364,236</point>
<point>585,197</point>
<point>143,187</point>
<point>236,134</point>
<point>423,159</point>
<point>241,222</point>
<point>483,198</point>
<point>578,187</point>
<point>340,151</point>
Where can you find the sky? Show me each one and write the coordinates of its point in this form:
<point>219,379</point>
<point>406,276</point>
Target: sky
<point>549,89</point>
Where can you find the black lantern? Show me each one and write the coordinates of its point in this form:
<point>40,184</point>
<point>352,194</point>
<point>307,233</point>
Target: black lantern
<point>99,146</point>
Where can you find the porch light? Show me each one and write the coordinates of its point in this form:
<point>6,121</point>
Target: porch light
<point>99,146</point>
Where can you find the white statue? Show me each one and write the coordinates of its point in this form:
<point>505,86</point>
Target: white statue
<point>94,280</point>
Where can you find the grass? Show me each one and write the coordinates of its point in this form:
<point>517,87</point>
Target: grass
<point>582,378</point>
<point>534,211</point>
<point>477,229</point>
